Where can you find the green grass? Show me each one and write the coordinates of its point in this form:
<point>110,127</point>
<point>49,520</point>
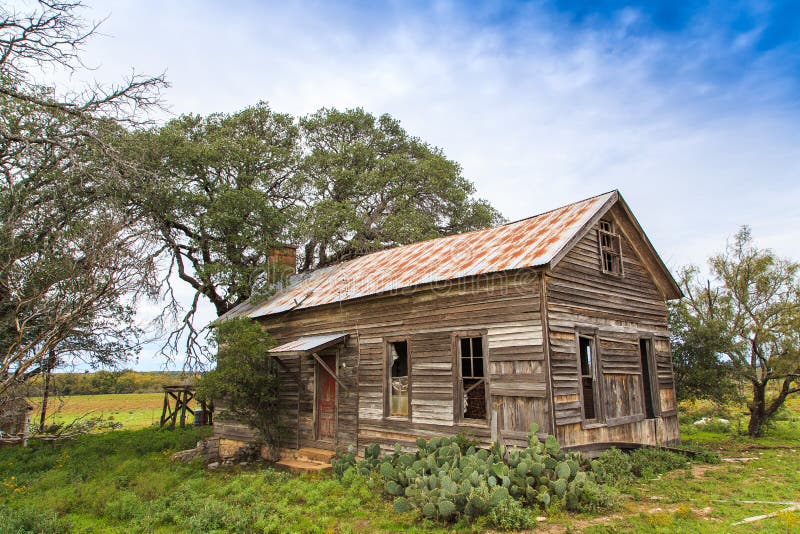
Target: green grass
<point>123,481</point>
<point>132,410</point>
<point>709,498</point>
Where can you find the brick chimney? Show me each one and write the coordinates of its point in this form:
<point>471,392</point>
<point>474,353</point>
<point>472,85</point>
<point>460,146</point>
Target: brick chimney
<point>284,259</point>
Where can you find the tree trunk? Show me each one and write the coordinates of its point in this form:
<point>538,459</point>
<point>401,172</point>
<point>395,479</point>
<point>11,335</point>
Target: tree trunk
<point>777,402</point>
<point>48,370</point>
<point>757,410</point>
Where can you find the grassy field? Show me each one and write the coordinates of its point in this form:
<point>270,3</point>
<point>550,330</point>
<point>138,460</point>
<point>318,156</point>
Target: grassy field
<point>132,410</point>
<point>123,481</point>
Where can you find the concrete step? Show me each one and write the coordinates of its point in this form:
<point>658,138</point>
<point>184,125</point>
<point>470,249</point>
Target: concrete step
<point>315,455</point>
<point>303,466</point>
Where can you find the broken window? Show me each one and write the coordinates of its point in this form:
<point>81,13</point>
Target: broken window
<point>645,351</point>
<point>473,378</point>
<point>398,379</point>
<point>610,249</point>
<point>588,363</point>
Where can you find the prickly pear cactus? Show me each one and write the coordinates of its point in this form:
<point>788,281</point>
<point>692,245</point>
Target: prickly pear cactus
<point>443,483</point>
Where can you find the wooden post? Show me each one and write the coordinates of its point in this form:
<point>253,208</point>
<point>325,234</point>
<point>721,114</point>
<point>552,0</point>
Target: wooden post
<point>48,370</point>
<point>182,400</point>
<point>164,410</point>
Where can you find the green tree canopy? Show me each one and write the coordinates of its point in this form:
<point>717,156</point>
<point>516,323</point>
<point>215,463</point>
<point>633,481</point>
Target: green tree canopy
<point>697,349</point>
<point>749,317</point>
<point>370,185</point>
<point>221,193</point>
<point>224,191</point>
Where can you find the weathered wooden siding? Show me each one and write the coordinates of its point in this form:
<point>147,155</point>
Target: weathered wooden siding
<point>504,307</point>
<point>531,375</point>
<point>618,311</point>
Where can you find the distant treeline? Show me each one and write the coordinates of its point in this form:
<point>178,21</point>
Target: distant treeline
<point>104,382</point>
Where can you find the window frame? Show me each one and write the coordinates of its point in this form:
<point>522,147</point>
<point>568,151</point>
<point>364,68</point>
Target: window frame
<point>610,242</point>
<point>458,380</point>
<point>655,393</point>
<point>387,376</point>
<point>597,383</point>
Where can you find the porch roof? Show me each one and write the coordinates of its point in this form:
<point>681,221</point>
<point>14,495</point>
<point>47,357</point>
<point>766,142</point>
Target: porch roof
<point>310,343</point>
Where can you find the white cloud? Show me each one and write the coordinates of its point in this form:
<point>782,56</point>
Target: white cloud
<point>537,114</point>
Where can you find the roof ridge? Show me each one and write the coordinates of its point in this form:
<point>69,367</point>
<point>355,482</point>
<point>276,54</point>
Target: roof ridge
<point>559,208</point>
<point>477,230</point>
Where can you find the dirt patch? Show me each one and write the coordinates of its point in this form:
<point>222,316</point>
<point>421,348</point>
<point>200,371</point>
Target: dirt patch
<point>700,470</point>
<point>363,525</point>
<point>632,509</point>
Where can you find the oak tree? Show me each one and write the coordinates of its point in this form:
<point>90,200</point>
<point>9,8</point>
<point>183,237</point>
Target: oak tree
<point>750,316</point>
<point>221,193</point>
<point>225,191</point>
<point>371,185</point>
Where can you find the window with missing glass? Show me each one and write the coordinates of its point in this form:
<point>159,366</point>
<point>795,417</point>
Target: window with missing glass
<point>472,380</point>
<point>398,384</point>
<point>610,248</point>
<point>587,355</point>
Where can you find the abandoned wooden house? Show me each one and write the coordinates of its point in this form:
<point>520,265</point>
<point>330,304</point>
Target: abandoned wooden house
<point>559,319</point>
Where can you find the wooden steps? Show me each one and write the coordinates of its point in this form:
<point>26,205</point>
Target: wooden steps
<point>302,466</point>
<point>315,455</point>
<point>307,460</point>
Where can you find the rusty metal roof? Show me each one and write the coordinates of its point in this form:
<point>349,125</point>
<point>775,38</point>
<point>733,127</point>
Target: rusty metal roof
<point>530,242</point>
<point>307,343</point>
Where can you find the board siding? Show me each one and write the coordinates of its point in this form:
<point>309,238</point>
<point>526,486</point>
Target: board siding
<point>504,307</point>
<point>532,373</point>
<point>618,311</point>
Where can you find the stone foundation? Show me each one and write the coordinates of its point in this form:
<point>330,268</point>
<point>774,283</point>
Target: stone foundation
<point>228,447</point>
<point>208,449</point>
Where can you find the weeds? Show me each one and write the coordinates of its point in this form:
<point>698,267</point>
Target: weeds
<point>649,462</point>
<point>124,481</point>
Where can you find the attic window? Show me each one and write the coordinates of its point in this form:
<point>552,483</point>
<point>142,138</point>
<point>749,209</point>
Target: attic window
<point>610,249</point>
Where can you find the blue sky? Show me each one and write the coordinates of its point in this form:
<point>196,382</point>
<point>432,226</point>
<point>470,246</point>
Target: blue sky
<point>691,109</point>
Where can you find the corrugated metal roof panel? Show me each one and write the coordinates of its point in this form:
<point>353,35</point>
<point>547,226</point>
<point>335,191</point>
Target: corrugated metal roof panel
<point>527,243</point>
<point>307,343</point>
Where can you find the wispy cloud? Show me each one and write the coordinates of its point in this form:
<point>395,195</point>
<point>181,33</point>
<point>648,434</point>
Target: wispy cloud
<point>691,110</point>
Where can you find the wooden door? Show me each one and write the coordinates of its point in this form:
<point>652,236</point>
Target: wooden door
<point>326,400</point>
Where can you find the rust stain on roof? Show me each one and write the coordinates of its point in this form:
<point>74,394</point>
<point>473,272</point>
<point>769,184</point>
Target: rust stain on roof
<point>530,242</point>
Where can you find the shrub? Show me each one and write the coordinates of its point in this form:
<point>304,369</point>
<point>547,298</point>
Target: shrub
<point>246,377</point>
<point>124,507</point>
<point>701,454</point>
<point>27,520</point>
<point>511,515</point>
<point>649,462</point>
<point>613,467</point>
<point>592,497</point>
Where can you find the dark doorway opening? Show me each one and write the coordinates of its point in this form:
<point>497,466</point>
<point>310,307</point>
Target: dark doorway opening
<point>645,347</point>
